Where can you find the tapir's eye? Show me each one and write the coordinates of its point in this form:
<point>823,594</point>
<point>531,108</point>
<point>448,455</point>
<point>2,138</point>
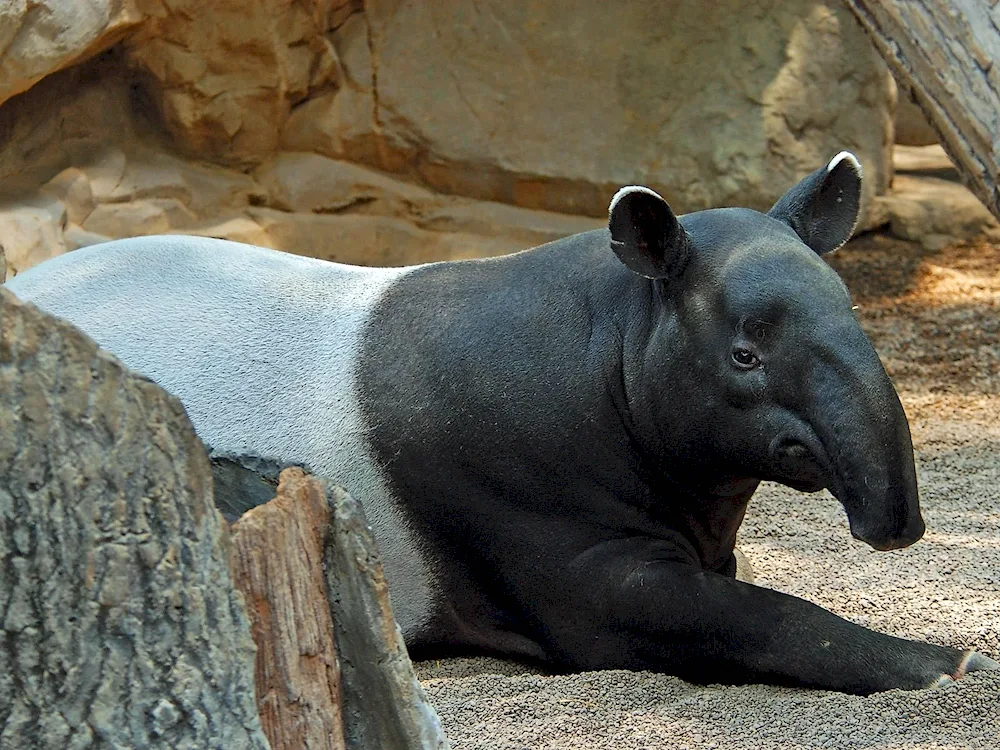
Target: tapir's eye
<point>745,359</point>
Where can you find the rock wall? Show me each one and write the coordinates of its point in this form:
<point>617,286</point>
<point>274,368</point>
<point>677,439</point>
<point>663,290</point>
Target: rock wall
<point>396,131</point>
<point>555,104</point>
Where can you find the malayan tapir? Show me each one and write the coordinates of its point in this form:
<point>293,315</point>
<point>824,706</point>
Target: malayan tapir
<point>555,448</point>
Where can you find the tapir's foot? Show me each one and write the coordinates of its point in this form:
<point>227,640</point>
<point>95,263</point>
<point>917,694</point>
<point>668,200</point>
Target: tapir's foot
<point>743,570</point>
<point>971,662</point>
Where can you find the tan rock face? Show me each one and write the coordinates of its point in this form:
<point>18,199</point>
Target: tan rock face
<point>121,193</point>
<point>63,120</point>
<point>484,128</point>
<point>912,127</point>
<point>537,104</point>
<point>31,232</point>
<point>39,37</point>
<point>225,74</point>
<point>927,202</point>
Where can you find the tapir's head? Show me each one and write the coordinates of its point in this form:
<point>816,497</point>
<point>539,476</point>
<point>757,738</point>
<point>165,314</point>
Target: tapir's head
<point>778,381</point>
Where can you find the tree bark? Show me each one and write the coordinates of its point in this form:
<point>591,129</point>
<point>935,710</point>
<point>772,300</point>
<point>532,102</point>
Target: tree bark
<point>383,703</point>
<point>277,562</point>
<point>312,575</point>
<point>119,623</point>
<point>947,52</point>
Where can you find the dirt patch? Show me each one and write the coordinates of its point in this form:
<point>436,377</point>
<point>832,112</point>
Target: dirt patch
<point>935,320</point>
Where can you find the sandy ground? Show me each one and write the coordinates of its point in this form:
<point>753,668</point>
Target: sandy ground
<point>935,319</point>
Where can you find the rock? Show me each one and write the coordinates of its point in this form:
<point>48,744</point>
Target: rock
<point>300,181</point>
<point>341,123</point>
<point>384,705</point>
<point>304,182</point>
<point>372,240</point>
<point>224,75</point>
<point>76,237</point>
<point>927,203</point>
<point>141,217</point>
<point>911,125</point>
<point>719,104</point>
<point>63,121</point>
<point>136,172</point>
<point>31,232</point>
<point>121,626</point>
<point>125,192</point>
<point>321,207</point>
<point>520,225</point>
<point>874,217</point>
<point>925,208</point>
<point>298,95</point>
<point>276,557</point>
<point>39,37</point>
<point>236,228</point>
<point>928,161</point>
<point>71,187</point>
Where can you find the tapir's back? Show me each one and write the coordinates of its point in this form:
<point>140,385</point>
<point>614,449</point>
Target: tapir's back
<point>257,344</point>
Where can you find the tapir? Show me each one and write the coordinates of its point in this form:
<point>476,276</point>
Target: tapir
<point>554,448</point>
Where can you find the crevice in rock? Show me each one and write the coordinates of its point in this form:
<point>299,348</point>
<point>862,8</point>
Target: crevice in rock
<point>376,105</point>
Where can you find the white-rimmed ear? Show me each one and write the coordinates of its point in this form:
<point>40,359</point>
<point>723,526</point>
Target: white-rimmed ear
<point>823,208</point>
<point>645,234</point>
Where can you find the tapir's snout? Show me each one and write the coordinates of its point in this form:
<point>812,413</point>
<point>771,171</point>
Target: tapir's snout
<point>866,436</point>
<point>911,532</point>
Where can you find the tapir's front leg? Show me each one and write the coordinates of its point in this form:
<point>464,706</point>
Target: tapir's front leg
<point>647,611</point>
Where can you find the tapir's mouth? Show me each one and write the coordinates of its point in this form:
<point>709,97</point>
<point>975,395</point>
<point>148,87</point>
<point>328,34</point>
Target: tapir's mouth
<point>799,465</point>
<point>888,543</point>
<point>805,465</point>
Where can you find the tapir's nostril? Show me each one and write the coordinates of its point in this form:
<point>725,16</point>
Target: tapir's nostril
<point>793,449</point>
<point>881,541</point>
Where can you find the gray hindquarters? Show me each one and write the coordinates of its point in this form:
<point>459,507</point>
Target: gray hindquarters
<point>261,347</point>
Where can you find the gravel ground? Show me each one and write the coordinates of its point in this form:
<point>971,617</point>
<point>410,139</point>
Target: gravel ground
<point>935,319</point>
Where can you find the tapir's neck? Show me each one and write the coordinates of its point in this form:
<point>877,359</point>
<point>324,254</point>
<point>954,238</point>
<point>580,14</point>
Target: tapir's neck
<point>685,483</point>
<point>709,511</point>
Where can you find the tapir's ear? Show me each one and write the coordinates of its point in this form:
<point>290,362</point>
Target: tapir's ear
<point>823,208</point>
<point>645,234</point>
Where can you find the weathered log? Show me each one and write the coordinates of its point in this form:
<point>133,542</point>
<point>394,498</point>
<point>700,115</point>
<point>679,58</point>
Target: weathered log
<point>277,562</point>
<point>947,52</point>
<point>119,623</point>
<point>384,706</point>
<point>312,612</point>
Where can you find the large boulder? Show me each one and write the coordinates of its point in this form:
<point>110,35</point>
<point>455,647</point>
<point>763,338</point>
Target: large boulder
<point>121,626</point>
<point>553,105</point>
<point>225,74</point>
<point>39,37</point>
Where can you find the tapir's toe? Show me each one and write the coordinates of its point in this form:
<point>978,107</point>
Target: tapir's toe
<point>973,661</point>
